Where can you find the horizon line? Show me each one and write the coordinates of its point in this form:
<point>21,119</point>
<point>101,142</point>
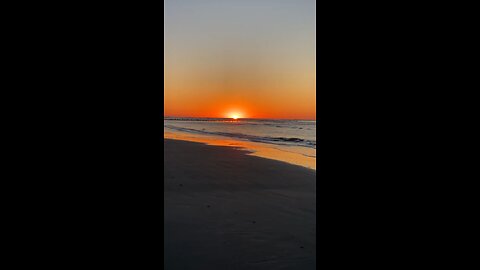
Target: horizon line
<point>303,119</point>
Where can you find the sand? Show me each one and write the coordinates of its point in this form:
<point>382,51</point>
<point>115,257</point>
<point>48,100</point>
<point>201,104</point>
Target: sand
<point>224,209</point>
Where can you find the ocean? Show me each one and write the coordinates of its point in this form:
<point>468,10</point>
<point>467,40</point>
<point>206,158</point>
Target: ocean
<point>292,141</point>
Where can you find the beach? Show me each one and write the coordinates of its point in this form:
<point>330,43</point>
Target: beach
<point>291,141</point>
<point>225,209</point>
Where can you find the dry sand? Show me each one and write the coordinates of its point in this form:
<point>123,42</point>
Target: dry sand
<point>228,210</point>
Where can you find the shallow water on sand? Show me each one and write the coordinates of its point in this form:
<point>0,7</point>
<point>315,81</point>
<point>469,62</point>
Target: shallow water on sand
<point>292,141</point>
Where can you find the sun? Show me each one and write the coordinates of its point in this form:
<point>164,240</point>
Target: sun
<point>235,116</point>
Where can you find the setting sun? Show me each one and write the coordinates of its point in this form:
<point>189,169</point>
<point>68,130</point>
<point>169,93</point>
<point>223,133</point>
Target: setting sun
<point>247,66</point>
<point>235,116</point>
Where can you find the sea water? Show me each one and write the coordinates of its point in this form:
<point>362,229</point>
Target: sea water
<point>292,141</point>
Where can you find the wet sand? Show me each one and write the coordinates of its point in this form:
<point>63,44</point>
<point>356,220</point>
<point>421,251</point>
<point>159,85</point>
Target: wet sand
<point>304,159</point>
<point>228,210</point>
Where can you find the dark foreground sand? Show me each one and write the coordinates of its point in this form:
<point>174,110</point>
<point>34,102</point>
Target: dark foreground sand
<point>227,210</point>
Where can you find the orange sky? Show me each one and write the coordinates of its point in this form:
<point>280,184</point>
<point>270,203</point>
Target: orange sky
<point>257,60</point>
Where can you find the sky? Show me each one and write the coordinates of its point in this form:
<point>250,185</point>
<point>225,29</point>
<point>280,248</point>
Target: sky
<point>251,58</point>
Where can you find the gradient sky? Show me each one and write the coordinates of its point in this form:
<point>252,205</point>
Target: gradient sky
<point>252,57</point>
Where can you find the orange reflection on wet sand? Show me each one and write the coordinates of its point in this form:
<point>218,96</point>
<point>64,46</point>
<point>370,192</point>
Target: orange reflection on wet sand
<point>255,149</point>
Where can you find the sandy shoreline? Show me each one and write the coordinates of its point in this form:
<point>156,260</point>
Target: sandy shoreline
<point>228,210</point>
<point>306,159</point>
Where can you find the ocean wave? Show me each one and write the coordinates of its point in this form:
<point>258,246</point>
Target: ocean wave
<point>252,138</point>
<point>243,120</point>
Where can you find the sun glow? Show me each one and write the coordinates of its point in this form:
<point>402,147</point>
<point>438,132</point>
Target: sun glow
<point>235,116</point>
